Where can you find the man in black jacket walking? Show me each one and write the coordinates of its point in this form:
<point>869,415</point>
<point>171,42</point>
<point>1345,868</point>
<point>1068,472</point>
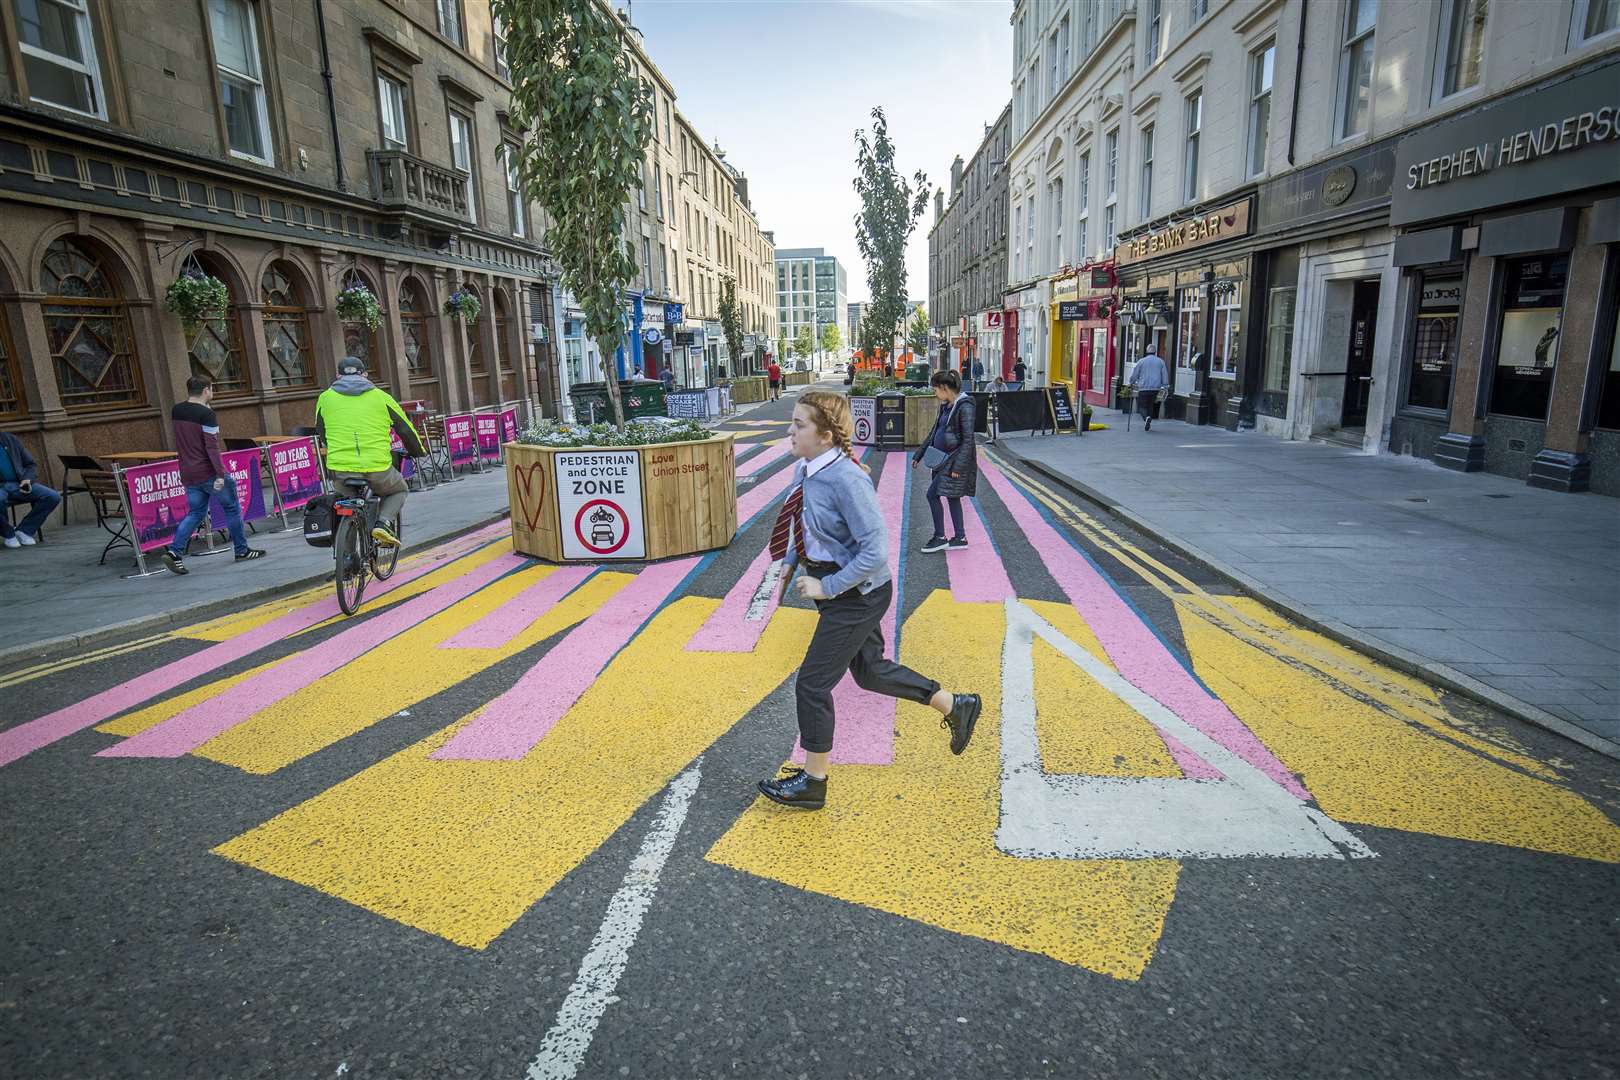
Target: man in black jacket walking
<point>19,483</point>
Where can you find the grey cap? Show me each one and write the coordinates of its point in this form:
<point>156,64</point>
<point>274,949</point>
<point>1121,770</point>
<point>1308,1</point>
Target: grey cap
<point>351,365</point>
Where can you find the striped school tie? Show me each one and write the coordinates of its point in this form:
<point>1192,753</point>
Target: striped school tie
<point>788,522</point>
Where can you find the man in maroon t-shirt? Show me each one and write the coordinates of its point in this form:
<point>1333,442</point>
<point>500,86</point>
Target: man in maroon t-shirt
<point>203,472</point>
<point>773,372</point>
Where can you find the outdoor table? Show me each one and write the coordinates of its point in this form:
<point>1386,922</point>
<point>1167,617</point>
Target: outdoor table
<point>138,456</point>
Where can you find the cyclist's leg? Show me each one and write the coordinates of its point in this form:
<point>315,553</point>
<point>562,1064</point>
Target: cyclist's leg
<point>390,487</point>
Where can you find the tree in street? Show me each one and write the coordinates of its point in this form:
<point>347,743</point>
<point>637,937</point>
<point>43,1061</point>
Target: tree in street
<point>804,342</point>
<point>917,333</point>
<point>831,339</point>
<point>890,207</point>
<point>587,120</point>
<point>731,322</point>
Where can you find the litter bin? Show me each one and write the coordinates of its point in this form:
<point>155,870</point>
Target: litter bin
<point>891,421</point>
<point>638,398</point>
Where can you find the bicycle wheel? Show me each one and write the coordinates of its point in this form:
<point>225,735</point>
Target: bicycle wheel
<point>384,559</point>
<point>350,552</point>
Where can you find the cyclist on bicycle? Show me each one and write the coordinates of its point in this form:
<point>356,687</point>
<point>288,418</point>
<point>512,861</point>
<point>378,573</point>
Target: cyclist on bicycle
<point>354,417</point>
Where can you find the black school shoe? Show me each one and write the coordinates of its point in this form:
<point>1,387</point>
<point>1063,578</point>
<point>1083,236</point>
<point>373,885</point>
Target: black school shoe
<point>935,543</point>
<point>960,720</point>
<point>957,544</point>
<point>797,789</point>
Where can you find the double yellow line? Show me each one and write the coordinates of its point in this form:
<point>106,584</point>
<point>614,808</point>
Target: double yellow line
<point>1368,681</point>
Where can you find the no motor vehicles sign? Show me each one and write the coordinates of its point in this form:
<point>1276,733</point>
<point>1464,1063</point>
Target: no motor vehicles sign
<point>599,503</point>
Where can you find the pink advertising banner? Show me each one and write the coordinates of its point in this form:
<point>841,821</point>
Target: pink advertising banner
<point>407,464</point>
<point>508,425</point>
<point>157,502</point>
<point>458,434</point>
<point>295,469</point>
<point>489,435</point>
<point>243,465</point>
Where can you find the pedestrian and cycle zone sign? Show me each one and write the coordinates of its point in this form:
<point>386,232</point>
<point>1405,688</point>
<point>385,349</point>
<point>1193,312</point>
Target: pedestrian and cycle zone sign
<point>1104,768</point>
<point>599,504</point>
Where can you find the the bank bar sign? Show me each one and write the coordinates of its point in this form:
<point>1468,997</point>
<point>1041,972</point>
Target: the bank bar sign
<point>1226,223</point>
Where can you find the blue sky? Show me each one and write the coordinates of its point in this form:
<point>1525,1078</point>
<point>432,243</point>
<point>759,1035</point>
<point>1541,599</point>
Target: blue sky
<point>783,84</point>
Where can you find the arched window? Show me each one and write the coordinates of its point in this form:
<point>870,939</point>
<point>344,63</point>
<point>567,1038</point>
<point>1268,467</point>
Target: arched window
<point>503,343</point>
<point>87,324</point>
<point>11,389</point>
<point>286,328</point>
<point>413,329</point>
<point>476,360</point>
<point>214,345</point>
<point>360,340</point>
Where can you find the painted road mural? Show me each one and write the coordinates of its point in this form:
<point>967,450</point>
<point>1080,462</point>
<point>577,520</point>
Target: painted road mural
<point>448,787</point>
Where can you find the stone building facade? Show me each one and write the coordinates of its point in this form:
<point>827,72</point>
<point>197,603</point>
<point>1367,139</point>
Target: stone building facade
<point>133,148</point>
<point>967,258</point>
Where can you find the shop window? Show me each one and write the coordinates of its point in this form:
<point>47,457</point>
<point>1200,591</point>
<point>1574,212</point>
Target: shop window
<point>1434,340</point>
<point>503,327</point>
<point>11,388</point>
<point>87,326</point>
<point>1609,399</point>
<point>214,348</point>
<point>1187,313</point>
<point>286,329</point>
<point>234,24</point>
<point>1279,350</point>
<point>59,55</point>
<point>1527,340</point>
<point>413,313</point>
<point>1227,307</point>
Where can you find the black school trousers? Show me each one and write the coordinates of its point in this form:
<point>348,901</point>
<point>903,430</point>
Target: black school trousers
<point>849,637</point>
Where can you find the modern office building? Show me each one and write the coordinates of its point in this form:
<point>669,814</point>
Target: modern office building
<point>811,290</point>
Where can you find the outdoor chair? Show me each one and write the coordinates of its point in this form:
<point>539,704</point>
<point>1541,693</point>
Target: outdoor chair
<point>80,463</point>
<point>240,444</point>
<point>15,512</point>
<point>438,449</point>
<point>300,432</point>
<point>102,487</point>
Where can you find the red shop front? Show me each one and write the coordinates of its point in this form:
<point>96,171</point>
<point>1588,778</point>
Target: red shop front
<point>1095,366</point>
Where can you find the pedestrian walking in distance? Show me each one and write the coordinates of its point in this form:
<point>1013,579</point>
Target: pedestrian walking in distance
<point>773,375</point>
<point>1149,378</point>
<point>951,456</point>
<point>202,471</point>
<point>831,527</point>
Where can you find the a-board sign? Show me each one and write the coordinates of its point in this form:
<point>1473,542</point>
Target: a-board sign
<point>599,504</point>
<point>459,438</point>
<point>863,411</point>
<point>243,465</point>
<point>1061,407</point>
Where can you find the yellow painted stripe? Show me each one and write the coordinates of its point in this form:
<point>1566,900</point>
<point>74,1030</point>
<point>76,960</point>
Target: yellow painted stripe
<point>917,838</point>
<point>1365,766</point>
<point>461,849</point>
<point>53,667</point>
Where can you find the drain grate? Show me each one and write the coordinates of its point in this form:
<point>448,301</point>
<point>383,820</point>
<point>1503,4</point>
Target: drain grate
<point>1499,496</point>
<point>1416,498</point>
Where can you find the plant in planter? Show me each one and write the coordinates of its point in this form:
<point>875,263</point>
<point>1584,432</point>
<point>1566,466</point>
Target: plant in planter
<point>463,305</point>
<point>648,431</point>
<point>357,304</point>
<point>195,296</point>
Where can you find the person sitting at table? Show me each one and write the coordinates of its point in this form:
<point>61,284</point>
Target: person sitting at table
<point>203,472</point>
<point>19,475</point>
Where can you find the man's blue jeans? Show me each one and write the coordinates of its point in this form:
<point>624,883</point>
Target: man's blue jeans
<point>44,499</point>
<point>197,496</point>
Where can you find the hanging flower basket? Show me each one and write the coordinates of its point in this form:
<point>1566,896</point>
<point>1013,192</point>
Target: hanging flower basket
<point>357,304</point>
<point>195,297</point>
<point>463,306</point>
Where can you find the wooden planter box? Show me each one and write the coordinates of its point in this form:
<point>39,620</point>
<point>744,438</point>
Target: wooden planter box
<point>749,388</point>
<point>622,503</point>
<point>921,412</point>
<point>798,378</point>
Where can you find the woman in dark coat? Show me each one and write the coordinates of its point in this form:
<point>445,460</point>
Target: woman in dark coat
<point>957,475</point>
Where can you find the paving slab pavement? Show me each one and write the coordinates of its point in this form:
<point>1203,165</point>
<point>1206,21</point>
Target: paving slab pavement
<point>1499,590</point>
<point>57,598</point>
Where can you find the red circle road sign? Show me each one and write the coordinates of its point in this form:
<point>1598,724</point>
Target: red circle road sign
<point>623,530</point>
<point>863,430</point>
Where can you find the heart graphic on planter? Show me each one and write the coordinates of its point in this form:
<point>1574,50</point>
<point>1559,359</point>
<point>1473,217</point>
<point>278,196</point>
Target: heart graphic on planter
<point>526,482</point>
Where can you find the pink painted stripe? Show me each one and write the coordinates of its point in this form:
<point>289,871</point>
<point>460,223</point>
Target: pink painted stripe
<point>763,494</point>
<point>506,622</point>
<point>24,739</point>
<point>511,725</point>
<point>775,452</point>
<point>977,575</point>
<point>730,629</point>
<point>1136,651</point>
<point>746,452</point>
<point>865,732</point>
<point>184,732</point>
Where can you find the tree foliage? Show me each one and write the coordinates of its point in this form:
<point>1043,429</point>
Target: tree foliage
<point>917,332</point>
<point>587,120</point>
<point>890,208</point>
<point>832,339</point>
<point>804,342</point>
<point>731,322</point>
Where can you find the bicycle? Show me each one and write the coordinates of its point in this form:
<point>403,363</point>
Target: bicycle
<point>354,549</point>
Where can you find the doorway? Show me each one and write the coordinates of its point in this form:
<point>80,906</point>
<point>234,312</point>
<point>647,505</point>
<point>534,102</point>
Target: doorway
<point>1359,358</point>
